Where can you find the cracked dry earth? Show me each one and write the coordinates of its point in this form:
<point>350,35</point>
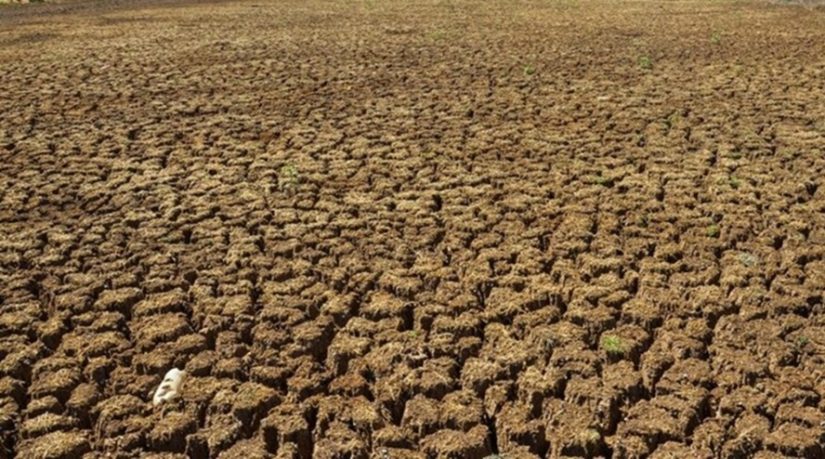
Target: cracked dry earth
<point>431,229</point>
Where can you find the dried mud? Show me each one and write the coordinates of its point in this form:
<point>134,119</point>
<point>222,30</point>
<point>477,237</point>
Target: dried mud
<point>437,229</point>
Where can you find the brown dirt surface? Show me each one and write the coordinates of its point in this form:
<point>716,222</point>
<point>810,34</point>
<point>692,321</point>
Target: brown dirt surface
<point>430,229</point>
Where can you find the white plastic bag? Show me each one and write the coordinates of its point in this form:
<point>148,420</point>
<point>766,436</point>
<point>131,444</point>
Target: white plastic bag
<point>170,387</point>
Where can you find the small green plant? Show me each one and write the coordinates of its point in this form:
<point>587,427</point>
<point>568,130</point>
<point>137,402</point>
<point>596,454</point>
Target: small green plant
<point>716,38</point>
<point>613,345</point>
<point>438,35</point>
<point>713,231</point>
<point>645,63</point>
<point>288,177</point>
<point>603,181</point>
<point>529,70</point>
<point>802,341</point>
<point>734,182</point>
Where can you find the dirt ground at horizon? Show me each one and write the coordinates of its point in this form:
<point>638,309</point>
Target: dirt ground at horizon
<point>428,229</point>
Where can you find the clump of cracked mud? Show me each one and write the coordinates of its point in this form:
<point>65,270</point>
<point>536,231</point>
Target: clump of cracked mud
<point>439,229</point>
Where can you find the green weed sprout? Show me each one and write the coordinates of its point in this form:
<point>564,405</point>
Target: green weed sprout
<point>613,345</point>
<point>288,177</point>
<point>645,63</point>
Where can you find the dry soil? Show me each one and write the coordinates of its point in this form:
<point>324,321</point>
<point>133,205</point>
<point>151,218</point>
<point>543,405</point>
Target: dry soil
<point>413,229</point>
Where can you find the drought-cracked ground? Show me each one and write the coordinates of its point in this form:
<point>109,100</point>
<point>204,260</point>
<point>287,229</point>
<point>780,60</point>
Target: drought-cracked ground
<point>429,229</point>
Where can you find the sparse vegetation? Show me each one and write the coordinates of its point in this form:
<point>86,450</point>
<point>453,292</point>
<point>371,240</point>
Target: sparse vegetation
<point>715,38</point>
<point>645,63</point>
<point>437,35</point>
<point>603,180</point>
<point>288,178</point>
<point>529,70</point>
<point>613,345</point>
<point>713,231</point>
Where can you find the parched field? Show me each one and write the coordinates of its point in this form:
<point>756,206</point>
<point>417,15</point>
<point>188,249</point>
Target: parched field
<point>413,229</point>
